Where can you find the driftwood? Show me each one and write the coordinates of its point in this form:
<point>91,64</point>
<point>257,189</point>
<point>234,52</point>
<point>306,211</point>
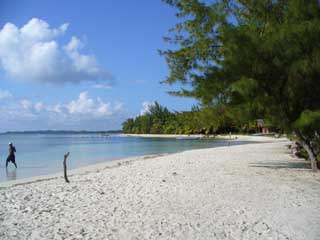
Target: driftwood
<point>65,166</point>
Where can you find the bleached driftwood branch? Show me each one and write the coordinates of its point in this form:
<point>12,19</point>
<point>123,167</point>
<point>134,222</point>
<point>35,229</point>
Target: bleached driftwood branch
<point>65,166</point>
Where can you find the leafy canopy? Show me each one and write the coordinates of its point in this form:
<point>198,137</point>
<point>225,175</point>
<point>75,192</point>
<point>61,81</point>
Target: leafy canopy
<point>260,56</point>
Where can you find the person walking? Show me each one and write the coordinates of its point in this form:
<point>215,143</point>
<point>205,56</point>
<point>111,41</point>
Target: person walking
<point>12,156</point>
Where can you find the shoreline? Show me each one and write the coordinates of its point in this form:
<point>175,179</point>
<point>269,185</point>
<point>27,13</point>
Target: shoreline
<point>190,136</point>
<point>249,191</point>
<point>111,163</point>
<point>80,170</point>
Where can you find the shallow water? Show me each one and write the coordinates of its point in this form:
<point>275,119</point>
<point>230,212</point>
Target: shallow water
<point>40,154</point>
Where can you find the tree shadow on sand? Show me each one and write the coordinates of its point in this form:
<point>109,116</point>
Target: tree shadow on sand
<point>302,165</point>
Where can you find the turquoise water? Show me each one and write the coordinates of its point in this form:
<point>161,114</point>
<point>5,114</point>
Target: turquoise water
<point>41,154</point>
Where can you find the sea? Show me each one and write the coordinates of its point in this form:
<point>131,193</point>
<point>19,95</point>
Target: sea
<point>41,154</point>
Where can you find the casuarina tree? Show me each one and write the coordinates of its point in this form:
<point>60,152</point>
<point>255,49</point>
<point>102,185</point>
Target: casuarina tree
<point>259,58</point>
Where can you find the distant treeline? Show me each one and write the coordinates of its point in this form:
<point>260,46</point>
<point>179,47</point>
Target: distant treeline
<point>159,120</point>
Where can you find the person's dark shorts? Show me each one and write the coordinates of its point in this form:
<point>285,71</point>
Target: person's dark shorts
<point>11,158</point>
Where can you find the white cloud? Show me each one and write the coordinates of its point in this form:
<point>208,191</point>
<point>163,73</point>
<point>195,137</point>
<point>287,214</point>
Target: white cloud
<point>5,94</point>
<point>38,30</point>
<point>32,53</point>
<point>80,109</point>
<point>74,45</point>
<point>57,108</point>
<point>39,106</point>
<point>26,104</point>
<point>88,106</point>
<point>146,107</point>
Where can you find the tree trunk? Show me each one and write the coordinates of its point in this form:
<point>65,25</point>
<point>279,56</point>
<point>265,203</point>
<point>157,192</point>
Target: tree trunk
<point>65,167</point>
<point>311,154</point>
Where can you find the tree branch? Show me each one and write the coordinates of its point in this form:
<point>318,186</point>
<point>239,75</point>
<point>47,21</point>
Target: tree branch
<point>65,166</point>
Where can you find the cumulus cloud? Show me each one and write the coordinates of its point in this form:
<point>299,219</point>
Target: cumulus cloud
<point>80,109</point>
<point>146,107</point>
<point>5,94</point>
<point>88,106</point>
<point>33,53</point>
<point>26,104</point>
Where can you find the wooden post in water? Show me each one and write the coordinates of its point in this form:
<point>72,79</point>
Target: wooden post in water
<point>65,167</point>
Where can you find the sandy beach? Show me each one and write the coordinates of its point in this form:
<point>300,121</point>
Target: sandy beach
<point>186,136</point>
<point>249,191</point>
<point>193,136</point>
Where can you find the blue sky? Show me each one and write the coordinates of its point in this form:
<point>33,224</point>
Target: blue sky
<point>82,64</point>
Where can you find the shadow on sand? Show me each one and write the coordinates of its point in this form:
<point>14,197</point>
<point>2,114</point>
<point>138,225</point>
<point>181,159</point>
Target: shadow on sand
<point>283,165</point>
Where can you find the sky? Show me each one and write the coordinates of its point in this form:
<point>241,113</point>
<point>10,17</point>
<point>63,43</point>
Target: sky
<point>78,65</point>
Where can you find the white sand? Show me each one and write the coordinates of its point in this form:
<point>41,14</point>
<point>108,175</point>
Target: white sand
<point>182,136</point>
<point>193,136</point>
<point>252,191</point>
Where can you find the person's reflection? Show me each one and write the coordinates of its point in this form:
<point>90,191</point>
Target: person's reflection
<point>11,174</point>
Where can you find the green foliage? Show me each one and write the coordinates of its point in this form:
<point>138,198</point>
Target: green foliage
<point>257,58</point>
<point>260,55</point>
<point>207,120</point>
<point>308,127</point>
<point>309,123</point>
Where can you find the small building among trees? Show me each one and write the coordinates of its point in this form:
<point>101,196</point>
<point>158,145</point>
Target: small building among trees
<point>260,126</point>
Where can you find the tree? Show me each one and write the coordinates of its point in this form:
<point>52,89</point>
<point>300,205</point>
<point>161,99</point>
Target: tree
<point>127,126</point>
<point>205,120</point>
<point>308,126</point>
<point>261,58</point>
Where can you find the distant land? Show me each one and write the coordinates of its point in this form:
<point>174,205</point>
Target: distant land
<point>63,132</point>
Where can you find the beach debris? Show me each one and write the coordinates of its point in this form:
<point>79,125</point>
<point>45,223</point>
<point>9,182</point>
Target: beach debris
<point>65,166</point>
